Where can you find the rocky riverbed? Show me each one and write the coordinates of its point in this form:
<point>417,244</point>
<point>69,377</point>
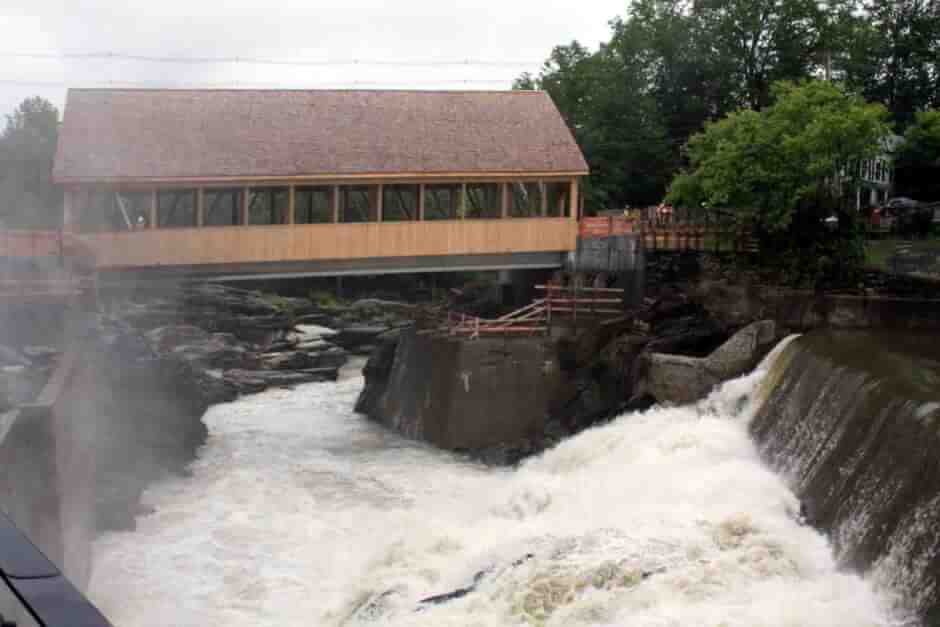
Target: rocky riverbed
<point>153,362</point>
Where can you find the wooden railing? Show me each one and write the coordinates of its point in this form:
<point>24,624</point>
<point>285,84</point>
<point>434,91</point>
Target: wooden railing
<point>572,304</point>
<point>687,231</point>
<point>44,266</point>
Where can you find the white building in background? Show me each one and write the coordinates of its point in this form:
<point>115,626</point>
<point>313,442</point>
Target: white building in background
<point>876,176</point>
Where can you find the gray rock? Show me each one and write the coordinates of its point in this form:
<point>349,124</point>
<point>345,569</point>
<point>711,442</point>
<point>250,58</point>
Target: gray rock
<point>679,379</point>
<point>742,352</point>
<point>291,360</point>
<point>314,318</point>
<point>11,357</point>
<point>165,339</point>
<point>253,381</point>
<point>215,354</point>
<point>355,336</point>
<point>41,354</point>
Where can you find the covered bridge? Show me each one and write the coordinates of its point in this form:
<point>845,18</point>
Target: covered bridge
<point>294,183</point>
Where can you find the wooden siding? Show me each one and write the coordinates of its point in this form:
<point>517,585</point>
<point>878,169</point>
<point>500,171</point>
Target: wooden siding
<point>303,242</point>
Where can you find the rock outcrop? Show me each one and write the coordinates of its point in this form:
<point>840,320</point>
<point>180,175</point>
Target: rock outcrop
<point>682,379</point>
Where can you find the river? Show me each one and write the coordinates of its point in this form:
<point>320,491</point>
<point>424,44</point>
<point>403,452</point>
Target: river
<point>299,512</point>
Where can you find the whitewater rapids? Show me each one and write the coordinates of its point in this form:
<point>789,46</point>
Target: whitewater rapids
<point>299,512</point>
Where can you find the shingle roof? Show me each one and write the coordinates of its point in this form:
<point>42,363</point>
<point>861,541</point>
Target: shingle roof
<point>125,135</point>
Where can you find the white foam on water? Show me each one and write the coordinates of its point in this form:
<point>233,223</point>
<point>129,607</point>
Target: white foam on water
<point>299,512</point>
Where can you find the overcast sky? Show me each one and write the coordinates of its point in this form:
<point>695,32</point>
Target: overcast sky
<point>519,33</point>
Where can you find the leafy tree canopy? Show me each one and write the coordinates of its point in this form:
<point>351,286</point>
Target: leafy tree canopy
<point>918,159</point>
<point>922,141</point>
<point>670,66</point>
<point>765,166</point>
<point>28,198</point>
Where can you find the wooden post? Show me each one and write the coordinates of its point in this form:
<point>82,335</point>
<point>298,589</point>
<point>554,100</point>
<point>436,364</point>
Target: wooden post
<point>573,209</point>
<point>69,216</point>
<point>379,202</point>
<point>335,204</point>
<point>153,209</point>
<point>462,205</point>
<point>421,202</point>
<point>200,207</point>
<point>543,195</point>
<point>291,202</point>
<point>505,201</point>
<point>548,309</point>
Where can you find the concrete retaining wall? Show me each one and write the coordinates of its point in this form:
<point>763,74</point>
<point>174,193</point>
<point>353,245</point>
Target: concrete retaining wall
<point>462,395</point>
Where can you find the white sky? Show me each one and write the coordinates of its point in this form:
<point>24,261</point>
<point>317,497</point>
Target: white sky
<point>507,31</point>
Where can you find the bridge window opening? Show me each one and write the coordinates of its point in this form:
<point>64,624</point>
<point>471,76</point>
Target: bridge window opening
<point>268,205</point>
<point>136,207</point>
<point>559,200</point>
<point>359,203</point>
<point>525,200</point>
<point>441,202</point>
<point>176,208</point>
<point>400,203</point>
<point>222,207</point>
<point>484,201</point>
<point>313,205</point>
<point>101,213</point>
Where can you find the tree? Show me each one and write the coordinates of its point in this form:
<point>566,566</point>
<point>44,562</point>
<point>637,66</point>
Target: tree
<point>781,171</point>
<point>893,55</point>
<point>614,121</point>
<point>918,160</point>
<point>759,42</point>
<point>28,197</point>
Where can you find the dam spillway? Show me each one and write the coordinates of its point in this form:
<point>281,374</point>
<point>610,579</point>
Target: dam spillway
<point>852,421</point>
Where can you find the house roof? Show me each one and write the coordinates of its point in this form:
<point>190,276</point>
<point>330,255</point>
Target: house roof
<point>128,135</point>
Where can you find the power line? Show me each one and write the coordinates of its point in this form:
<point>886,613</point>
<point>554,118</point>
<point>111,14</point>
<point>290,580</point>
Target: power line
<point>238,60</point>
<point>239,84</point>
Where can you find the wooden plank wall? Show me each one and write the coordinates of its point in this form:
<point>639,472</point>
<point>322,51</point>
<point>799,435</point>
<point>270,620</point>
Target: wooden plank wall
<point>302,242</point>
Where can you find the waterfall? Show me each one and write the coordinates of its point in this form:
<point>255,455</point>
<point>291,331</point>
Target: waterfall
<point>852,422</point>
<point>300,512</point>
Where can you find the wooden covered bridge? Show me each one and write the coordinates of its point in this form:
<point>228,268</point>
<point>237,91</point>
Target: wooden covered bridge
<point>247,183</point>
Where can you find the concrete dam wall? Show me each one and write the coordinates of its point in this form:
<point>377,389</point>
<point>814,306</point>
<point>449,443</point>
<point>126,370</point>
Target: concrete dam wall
<point>852,419</point>
<point>461,395</point>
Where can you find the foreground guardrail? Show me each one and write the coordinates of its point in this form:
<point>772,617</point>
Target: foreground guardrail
<point>43,592</point>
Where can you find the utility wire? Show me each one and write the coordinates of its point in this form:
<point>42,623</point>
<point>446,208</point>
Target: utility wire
<point>125,56</point>
<point>239,84</point>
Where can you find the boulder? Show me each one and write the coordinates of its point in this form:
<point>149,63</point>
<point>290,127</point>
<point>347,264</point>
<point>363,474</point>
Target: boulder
<point>165,339</point>
<point>214,353</point>
<point>354,337</point>
<point>677,379</point>
<point>742,352</point>
<point>11,357</point>
<point>312,319</point>
<point>253,381</point>
<point>680,379</point>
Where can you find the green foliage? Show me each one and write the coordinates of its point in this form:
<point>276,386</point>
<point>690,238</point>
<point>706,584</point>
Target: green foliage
<point>778,173</point>
<point>765,166</point>
<point>671,66</point>
<point>28,198</point>
<point>324,299</point>
<point>921,146</point>
<point>892,55</point>
<point>918,159</point>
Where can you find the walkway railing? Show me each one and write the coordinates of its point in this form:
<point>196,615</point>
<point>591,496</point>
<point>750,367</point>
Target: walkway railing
<point>560,305</point>
<point>686,232</point>
<point>41,266</point>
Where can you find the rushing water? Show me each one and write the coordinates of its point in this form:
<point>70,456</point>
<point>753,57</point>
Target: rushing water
<point>299,512</point>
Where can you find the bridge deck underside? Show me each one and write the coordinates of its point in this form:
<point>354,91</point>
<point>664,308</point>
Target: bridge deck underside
<point>344,267</point>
